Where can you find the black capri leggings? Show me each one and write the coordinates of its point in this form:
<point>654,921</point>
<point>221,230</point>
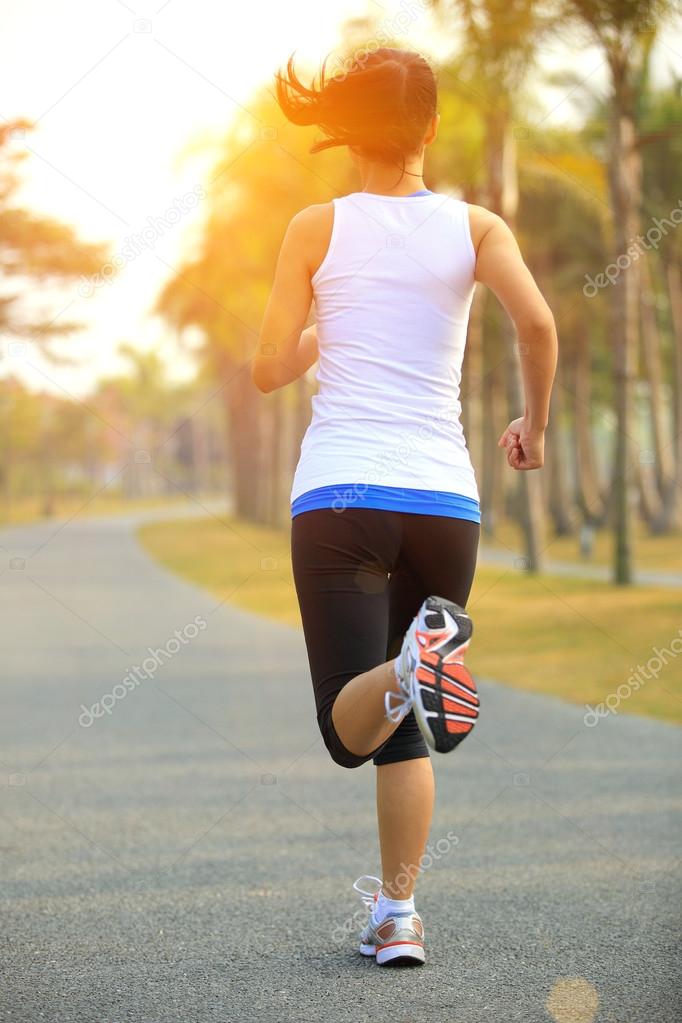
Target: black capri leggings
<point>361,575</point>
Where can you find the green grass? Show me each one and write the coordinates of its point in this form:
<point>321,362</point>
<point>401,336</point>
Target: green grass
<point>25,510</point>
<point>572,638</point>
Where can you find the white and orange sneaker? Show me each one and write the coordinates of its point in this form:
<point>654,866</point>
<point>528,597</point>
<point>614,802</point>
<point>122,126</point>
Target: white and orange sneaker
<point>395,939</point>
<point>432,678</point>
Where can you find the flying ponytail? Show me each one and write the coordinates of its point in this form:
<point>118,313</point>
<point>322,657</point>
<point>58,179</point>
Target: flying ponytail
<point>380,106</point>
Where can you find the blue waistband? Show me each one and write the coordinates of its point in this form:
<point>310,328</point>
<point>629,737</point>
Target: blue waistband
<point>401,499</point>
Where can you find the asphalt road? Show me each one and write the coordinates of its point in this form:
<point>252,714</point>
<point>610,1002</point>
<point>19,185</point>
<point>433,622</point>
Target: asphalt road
<point>188,855</point>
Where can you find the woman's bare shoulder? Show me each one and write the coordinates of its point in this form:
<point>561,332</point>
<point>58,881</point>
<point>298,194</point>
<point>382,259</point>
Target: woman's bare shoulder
<point>313,220</point>
<point>481,220</point>
<point>311,228</point>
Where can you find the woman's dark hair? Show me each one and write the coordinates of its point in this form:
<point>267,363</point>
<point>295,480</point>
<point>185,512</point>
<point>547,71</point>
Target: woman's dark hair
<point>380,105</point>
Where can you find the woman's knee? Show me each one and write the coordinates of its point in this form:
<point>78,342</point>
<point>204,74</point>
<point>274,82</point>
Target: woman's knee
<point>337,751</point>
<point>406,743</point>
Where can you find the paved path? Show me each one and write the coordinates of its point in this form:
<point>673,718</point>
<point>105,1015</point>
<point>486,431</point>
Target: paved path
<point>578,569</point>
<point>189,856</point>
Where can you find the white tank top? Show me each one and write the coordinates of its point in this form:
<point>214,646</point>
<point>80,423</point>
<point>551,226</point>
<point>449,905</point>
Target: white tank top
<point>392,298</point>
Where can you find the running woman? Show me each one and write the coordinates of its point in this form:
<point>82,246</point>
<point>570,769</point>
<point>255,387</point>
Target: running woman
<point>385,512</point>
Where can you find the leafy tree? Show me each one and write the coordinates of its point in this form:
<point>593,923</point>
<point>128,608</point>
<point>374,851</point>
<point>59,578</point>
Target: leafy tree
<point>35,250</point>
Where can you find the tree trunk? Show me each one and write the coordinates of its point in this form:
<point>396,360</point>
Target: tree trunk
<point>671,519</point>
<point>664,467</point>
<point>503,199</point>
<point>502,182</point>
<point>243,409</point>
<point>6,468</point>
<point>624,184</point>
<point>590,497</point>
<point>557,494</point>
<point>199,470</point>
<point>277,440</point>
<point>531,508</point>
<point>651,506</point>
<point>560,500</point>
<point>492,481</point>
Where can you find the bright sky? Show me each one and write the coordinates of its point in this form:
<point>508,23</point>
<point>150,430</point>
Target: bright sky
<point>119,92</point>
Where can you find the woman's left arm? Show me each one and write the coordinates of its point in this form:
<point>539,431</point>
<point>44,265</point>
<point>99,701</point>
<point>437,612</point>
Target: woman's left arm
<point>285,350</point>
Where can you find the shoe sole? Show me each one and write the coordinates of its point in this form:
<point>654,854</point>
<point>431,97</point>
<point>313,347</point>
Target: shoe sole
<point>401,954</point>
<point>445,699</point>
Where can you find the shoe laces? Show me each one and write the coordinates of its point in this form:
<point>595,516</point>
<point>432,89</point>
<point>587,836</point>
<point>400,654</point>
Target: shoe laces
<point>368,897</point>
<point>398,704</point>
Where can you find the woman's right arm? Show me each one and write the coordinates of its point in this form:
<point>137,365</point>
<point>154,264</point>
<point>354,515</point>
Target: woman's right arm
<point>500,266</point>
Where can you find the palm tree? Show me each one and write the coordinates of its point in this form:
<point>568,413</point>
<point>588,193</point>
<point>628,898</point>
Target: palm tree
<point>661,147</point>
<point>499,43</point>
<point>260,181</point>
<point>624,33</point>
